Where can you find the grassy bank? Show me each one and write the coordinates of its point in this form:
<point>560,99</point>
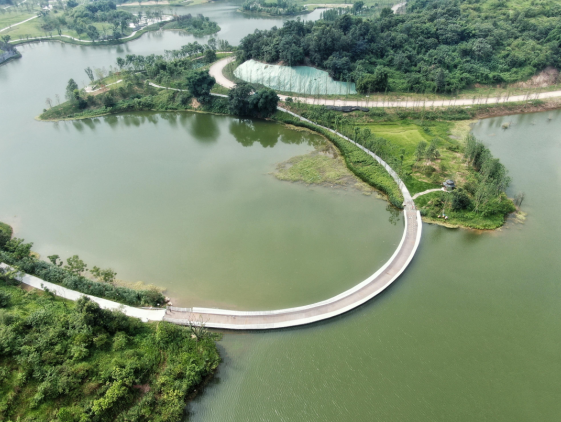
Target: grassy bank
<point>324,167</point>
<point>359,162</point>
<point>65,361</point>
<point>29,39</point>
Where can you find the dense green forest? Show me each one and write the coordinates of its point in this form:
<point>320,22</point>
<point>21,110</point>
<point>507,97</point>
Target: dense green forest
<point>437,46</point>
<point>74,362</point>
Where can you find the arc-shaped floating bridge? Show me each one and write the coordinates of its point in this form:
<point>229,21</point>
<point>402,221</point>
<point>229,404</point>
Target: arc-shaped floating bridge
<point>290,317</point>
<point>344,302</point>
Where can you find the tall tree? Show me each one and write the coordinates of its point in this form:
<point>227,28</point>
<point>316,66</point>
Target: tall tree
<point>70,88</point>
<point>200,83</point>
<point>89,72</point>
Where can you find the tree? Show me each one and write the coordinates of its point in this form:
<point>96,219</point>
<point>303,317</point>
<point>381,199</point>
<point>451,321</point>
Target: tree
<point>70,88</point>
<point>377,82</point>
<point>440,80</point>
<point>55,259</point>
<point>92,32</point>
<point>264,102</point>
<point>460,200</point>
<point>238,97</point>
<point>105,276</point>
<point>210,55</point>
<point>89,72</point>
<point>75,265</point>
<point>109,100</point>
<point>357,7</point>
<point>432,152</point>
<point>420,151</point>
<point>199,83</point>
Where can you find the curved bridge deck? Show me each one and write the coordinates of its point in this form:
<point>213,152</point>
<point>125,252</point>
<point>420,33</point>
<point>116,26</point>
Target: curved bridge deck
<point>260,320</point>
<point>344,302</point>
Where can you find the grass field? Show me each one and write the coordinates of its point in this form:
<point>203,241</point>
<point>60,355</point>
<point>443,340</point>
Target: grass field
<point>7,19</point>
<point>406,135</point>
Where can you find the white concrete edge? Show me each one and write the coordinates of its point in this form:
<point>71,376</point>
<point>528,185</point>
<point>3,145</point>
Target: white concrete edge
<point>321,317</point>
<point>143,314</point>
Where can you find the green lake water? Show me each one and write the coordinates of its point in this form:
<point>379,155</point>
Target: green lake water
<point>470,332</point>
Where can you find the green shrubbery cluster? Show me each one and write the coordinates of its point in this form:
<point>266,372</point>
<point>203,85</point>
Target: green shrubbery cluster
<point>17,253</point>
<point>67,362</point>
<point>276,8</point>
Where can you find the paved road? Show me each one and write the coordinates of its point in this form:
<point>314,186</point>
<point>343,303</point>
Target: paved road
<point>216,71</point>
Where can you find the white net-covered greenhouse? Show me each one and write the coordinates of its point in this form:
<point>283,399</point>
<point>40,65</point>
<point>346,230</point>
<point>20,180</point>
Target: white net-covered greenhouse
<point>298,79</point>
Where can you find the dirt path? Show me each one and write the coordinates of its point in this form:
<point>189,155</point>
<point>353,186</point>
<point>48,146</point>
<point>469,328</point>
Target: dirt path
<point>428,191</point>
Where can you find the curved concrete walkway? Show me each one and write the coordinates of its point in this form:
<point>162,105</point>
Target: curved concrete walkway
<point>344,302</point>
<point>290,317</point>
<point>216,71</point>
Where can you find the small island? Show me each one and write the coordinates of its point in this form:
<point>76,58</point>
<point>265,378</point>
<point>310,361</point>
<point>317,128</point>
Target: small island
<point>278,8</point>
<point>196,25</point>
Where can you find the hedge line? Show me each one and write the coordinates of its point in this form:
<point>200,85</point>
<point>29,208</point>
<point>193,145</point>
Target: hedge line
<point>18,254</point>
<point>358,161</point>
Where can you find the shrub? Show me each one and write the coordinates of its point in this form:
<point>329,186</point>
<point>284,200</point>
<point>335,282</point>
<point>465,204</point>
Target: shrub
<point>6,232</point>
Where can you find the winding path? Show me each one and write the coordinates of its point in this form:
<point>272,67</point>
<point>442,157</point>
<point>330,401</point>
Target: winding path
<point>216,71</point>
